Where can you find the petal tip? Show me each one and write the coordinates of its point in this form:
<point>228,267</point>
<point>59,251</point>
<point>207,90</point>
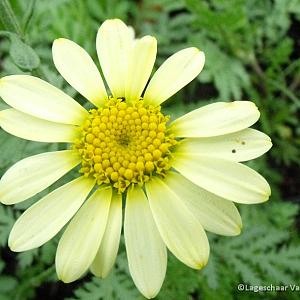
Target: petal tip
<point>195,49</point>
<point>13,247</point>
<point>17,245</point>
<point>59,40</point>
<point>268,195</point>
<point>114,21</point>
<point>199,52</point>
<point>150,295</point>
<point>64,280</point>
<point>99,273</point>
<point>63,277</point>
<point>149,292</point>
<point>265,197</point>
<point>118,21</point>
<point>238,230</point>
<point>150,41</point>
<point>201,264</point>
<point>251,103</point>
<point>270,144</point>
<point>268,192</point>
<point>60,277</point>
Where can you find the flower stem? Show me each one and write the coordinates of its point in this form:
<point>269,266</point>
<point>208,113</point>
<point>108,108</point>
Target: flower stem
<point>8,18</point>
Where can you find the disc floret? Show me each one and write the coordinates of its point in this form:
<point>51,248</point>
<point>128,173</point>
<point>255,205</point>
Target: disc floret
<point>123,144</point>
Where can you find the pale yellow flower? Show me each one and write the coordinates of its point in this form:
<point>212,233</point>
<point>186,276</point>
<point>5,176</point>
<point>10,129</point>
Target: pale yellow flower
<point>179,178</point>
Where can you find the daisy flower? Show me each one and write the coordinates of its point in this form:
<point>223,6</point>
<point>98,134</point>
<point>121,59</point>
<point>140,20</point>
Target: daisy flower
<point>178,178</point>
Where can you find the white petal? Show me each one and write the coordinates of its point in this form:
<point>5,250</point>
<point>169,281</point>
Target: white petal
<point>141,60</point>
<point>131,32</point>
<point>35,129</point>
<point>42,221</point>
<point>79,70</point>
<point>239,146</point>
<point>79,243</point>
<point>146,252</point>
<point>227,179</point>
<point>180,230</point>
<point>175,73</point>
<point>109,246</point>
<point>216,119</point>
<point>33,174</point>
<point>214,213</point>
<point>40,99</point>
<point>113,42</point>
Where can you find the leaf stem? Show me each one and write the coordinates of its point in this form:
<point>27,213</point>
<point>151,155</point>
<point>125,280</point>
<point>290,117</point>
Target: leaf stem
<point>288,93</point>
<point>8,18</point>
<point>11,24</point>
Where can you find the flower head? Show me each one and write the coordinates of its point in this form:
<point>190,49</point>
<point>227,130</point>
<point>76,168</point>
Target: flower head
<point>178,178</point>
<point>125,144</point>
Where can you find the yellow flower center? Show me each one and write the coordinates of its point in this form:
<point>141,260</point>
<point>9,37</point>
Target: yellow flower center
<point>123,144</point>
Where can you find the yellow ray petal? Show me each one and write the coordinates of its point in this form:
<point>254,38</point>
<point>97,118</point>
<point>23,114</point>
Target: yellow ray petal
<point>107,252</point>
<point>79,243</point>
<point>40,99</point>
<point>181,231</point>
<point>141,60</point>
<point>214,213</point>
<point>239,146</point>
<point>42,221</point>
<point>33,174</point>
<point>216,119</point>
<point>175,73</point>
<point>35,129</point>
<point>113,42</point>
<point>227,179</point>
<point>79,70</point>
<point>146,252</point>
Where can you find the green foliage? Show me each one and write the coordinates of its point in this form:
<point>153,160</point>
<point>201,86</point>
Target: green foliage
<point>252,53</point>
<point>262,253</point>
<point>23,55</point>
<point>118,285</point>
<point>180,282</point>
<point>6,222</point>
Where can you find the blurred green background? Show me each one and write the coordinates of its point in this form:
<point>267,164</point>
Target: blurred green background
<point>252,53</point>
